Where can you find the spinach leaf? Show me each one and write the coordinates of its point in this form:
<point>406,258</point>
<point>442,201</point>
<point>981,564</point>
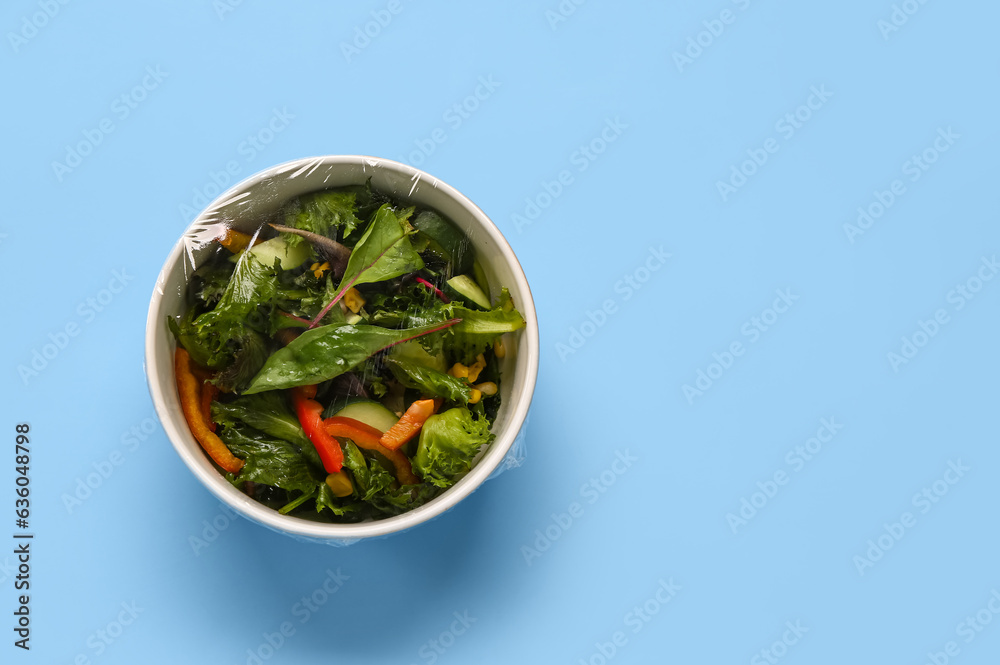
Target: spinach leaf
<point>323,353</point>
<point>249,356</point>
<point>383,252</point>
<point>374,484</point>
<point>430,381</point>
<point>326,499</point>
<point>252,284</point>
<point>267,412</point>
<point>271,461</point>
<point>369,480</point>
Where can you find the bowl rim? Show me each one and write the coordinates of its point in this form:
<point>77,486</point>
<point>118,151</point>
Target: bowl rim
<point>229,495</point>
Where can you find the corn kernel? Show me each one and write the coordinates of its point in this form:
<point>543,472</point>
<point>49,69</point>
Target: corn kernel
<point>489,388</point>
<point>476,368</point>
<point>340,484</point>
<point>499,349</point>
<point>475,397</point>
<point>354,300</point>
<point>459,371</point>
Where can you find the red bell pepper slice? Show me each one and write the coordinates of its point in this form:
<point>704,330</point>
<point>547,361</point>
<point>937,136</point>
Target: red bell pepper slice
<point>310,414</point>
<point>366,436</point>
<point>355,430</point>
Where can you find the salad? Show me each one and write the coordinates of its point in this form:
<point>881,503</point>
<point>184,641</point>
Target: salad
<point>341,363</point>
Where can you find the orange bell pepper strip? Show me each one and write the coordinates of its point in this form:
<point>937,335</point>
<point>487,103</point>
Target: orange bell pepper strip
<point>235,241</point>
<point>208,393</point>
<point>310,414</point>
<point>366,436</point>
<point>409,425</point>
<point>188,391</point>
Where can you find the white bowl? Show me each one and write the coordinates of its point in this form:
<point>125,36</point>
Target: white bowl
<point>243,207</point>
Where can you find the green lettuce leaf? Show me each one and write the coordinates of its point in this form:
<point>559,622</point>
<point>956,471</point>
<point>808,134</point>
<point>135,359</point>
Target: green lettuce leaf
<point>228,337</point>
<point>462,342</point>
<point>209,282</point>
<point>449,442</point>
<point>478,329</point>
<point>324,213</point>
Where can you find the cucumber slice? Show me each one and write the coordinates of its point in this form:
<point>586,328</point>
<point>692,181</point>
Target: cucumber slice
<point>276,248</point>
<point>370,413</point>
<point>446,239</point>
<point>468,290</point>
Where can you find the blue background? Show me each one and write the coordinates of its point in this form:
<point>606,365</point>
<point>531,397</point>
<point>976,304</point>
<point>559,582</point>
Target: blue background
<point>609,383</point>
